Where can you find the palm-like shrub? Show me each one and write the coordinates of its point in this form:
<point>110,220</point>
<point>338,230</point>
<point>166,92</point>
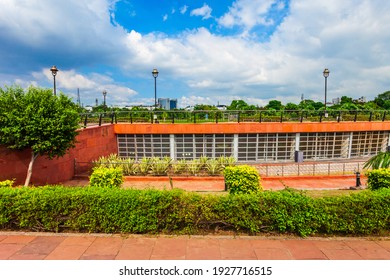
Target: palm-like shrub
<point>381,160</point>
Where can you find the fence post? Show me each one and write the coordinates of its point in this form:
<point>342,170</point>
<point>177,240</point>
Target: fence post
<point>238,117</point>
<point>339,117</point>
<point>131,117</point>
<point>281,116</point>
<point>100,119</point>
<point>370,116</point>
<point>260,116</point>
<point>355,116</point>
<point>384,116</point>
<point>85,120</point>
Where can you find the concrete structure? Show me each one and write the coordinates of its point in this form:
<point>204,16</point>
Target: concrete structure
<point>247,142</point>
<point>167,104</point>
<point>254,142</point>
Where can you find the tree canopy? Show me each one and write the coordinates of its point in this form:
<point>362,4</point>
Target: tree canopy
<point>36,119</point>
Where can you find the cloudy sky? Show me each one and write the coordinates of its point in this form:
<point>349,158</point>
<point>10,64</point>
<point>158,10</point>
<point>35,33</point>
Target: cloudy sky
<point>206,51</point>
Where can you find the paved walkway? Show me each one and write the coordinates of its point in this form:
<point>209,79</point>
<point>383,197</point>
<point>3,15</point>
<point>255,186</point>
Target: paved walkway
<point>41,246</point>
<point>217,184</point>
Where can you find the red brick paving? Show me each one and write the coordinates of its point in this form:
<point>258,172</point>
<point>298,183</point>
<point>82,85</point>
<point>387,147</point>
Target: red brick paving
<point>40,246</point>
<point>217,184</point>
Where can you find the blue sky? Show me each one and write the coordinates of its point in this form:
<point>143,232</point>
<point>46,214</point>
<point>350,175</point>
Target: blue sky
<point>207,52</point>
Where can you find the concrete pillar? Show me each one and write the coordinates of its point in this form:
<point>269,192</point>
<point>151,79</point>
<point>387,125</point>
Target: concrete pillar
<point>172,146</point>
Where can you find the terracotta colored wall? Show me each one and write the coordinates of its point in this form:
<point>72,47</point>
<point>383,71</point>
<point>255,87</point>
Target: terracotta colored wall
<point>92,143</point>
<point>202,128</point>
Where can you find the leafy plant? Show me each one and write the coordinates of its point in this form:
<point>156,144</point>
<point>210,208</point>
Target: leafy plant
<point>378,178</point>
<point>160,166</point>
<point>213,167</point>
<point>7,183</point>
<point>203,161</point>
<point>104,177</point>
<point>242,179</point>
<point>144,166</point>
<point>129,167</point>
<point>35,119</point>
<point>226,161</point>
<point>380,160</point>
<point>180,166</point>
<point>194,167</point>
<point>55,208</point>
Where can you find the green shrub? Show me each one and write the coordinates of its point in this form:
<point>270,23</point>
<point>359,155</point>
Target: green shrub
<point>194,167</point>
<point>159,166</point>
<point>104,177</point>
<point>180,166</point>
<point>378,178</point>
<point>242,179</point>
<point>213,167</point>
<point>55,208</point>
<point>7,183</point>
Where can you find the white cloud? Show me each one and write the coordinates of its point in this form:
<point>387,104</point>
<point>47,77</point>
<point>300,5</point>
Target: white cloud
<point>183,9</point>
<point>204,11</point>
<point>247,14</point>
<point>351,38</point>
<point>91,86</point>
<point>165,17</point>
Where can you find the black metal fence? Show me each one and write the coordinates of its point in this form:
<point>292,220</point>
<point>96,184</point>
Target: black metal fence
<point>213,116</point>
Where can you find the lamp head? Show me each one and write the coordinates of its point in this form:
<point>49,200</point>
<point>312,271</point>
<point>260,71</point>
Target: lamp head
<point>326,73</point>
<point>155,73</point>
<point>54,70</point>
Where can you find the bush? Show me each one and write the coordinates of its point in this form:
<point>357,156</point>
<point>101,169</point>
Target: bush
<point>378,178</point>
<point>103,210</point>
<point>7,183</point>
<point>242,179</point>
<point>105,177</point>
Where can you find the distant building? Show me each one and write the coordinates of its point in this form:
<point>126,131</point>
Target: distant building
<point>336,101</point>
<point>361,99</point>
<point>167,104</point>
<point>221,107</point>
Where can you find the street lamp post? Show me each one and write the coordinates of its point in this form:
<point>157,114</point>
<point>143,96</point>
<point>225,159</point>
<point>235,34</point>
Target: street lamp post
<point>54,71</point>
<point>326,75</point>
<point>104,99</point>
<point>155,75</point>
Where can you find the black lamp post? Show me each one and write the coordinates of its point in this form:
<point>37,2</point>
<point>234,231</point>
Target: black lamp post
<point>104,99</point>
<point>326,75</point>
<point>155,75</point>
<point>54,71</point>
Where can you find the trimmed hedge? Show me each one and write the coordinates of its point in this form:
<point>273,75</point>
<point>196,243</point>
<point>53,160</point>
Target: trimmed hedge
<point>378,178</point>
<point>242,179</point>
<point>106,177</point>
<point>91,209</point>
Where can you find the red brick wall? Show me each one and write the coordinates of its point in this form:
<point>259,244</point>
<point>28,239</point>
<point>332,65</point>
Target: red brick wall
<point>91,144</point>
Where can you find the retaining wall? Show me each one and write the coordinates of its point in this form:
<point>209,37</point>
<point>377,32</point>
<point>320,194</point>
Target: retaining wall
<point>92,143</point>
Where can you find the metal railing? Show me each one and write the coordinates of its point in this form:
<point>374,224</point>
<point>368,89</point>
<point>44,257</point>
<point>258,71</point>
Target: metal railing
<point>216,116</point>
<point>311,169</point>
<point>274,169</point>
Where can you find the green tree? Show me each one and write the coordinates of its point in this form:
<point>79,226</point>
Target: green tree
<point>291,107</point>
<point>238,105</point>
<point>345,99</point>
<point>36,119</point>
<point>274,104</point>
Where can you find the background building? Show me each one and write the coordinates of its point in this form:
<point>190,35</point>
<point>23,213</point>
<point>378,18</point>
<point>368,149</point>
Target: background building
<point>167,104</point>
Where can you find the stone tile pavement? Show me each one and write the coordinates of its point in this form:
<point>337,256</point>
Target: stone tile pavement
<point>50,246</point>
